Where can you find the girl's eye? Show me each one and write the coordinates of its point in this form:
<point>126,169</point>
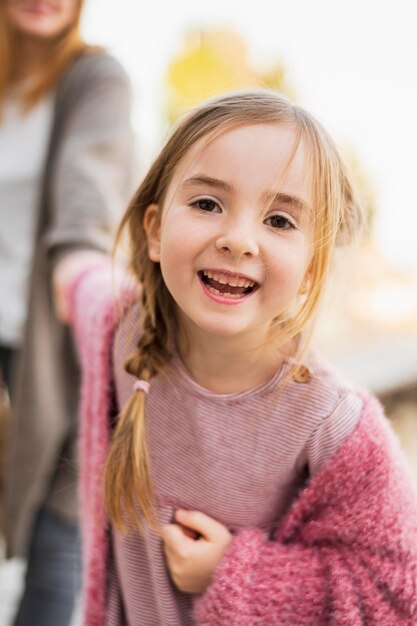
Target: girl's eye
<point>280,222</point>
<point>205,204</point>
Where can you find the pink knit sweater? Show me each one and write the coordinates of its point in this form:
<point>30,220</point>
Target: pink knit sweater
<point>345,553</point>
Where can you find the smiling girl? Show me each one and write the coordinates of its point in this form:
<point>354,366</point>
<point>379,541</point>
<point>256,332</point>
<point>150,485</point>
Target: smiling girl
<point>245,481</point>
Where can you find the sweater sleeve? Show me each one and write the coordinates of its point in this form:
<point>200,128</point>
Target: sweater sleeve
<point>91,178</point>
<point>346,553</point>
<point>98,296</point>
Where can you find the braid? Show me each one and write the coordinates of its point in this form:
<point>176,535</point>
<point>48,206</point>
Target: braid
<point>128,483</point>
<point>152,352</point>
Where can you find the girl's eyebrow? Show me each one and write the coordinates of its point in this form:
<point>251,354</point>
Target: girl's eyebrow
<point>284,198</point>
<point>207,181</point>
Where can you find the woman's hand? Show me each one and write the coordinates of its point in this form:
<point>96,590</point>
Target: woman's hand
<point>194,546</point>
<point>65,271</point>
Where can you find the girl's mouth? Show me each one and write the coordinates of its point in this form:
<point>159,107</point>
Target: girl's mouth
<point>227,285</point>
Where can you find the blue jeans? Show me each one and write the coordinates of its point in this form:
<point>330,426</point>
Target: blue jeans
<point>53,576</point>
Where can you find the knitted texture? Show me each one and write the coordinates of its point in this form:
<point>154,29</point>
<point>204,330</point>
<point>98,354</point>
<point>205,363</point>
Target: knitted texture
<point>97,299</point>
<point>346,552</point>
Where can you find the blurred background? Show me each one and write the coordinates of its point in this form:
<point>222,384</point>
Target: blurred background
<point>351,63</point>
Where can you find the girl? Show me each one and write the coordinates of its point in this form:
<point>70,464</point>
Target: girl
<point>65,173</point>
<point>245,482</point>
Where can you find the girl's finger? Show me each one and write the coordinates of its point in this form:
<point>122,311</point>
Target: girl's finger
<point>201,523</point>
<point>174,538</point>
<point>189,532</point>
<point>169,533</point>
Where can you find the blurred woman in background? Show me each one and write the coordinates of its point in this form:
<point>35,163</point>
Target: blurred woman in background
<point>65,176</point>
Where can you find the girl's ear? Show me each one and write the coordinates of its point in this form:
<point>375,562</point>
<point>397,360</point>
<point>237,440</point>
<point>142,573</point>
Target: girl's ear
<point>152,227</point>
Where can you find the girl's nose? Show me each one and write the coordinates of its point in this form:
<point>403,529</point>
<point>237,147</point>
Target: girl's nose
<point>238,243</point>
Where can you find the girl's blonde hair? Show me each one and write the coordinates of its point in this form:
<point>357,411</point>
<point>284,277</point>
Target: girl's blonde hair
<point>128,485</point>
<point>61,51</point>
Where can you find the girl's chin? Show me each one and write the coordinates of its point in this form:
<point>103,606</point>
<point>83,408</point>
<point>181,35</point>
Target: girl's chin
<point>219,329</point>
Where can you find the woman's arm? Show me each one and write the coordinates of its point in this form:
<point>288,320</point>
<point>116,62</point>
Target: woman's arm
<point>91,173</point>
<point>345,554</point>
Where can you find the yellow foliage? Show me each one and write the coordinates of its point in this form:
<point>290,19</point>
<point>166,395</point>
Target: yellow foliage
<point>210,63</point>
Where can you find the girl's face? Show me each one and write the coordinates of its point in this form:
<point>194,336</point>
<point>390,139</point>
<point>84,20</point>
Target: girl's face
<point>41,19</point>
<point>235,239</point>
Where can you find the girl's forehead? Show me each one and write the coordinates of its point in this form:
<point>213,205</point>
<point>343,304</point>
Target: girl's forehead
<point>253,156</point>
<point>245,138</point>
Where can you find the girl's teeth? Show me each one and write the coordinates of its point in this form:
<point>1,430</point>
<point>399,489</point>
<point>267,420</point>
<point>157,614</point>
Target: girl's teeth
<point>225,295</point>
<point>224,279</point>
<point>229,280</point>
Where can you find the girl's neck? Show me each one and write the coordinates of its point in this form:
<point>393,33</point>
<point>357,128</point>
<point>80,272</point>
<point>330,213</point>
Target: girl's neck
<point>230,365</point>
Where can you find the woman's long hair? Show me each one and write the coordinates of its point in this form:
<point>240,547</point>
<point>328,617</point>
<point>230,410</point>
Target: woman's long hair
<point>128,481</point>
<point>61,51</point>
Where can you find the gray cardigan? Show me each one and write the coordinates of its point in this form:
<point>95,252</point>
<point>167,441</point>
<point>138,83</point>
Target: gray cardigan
<point>87,182</point>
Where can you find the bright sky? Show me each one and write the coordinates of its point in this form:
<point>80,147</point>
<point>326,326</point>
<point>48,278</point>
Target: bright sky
<point>353,63</point>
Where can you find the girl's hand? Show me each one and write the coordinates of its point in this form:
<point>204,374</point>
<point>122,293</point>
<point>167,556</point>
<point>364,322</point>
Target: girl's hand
<point>65,271</point>
<point>194,546</point>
